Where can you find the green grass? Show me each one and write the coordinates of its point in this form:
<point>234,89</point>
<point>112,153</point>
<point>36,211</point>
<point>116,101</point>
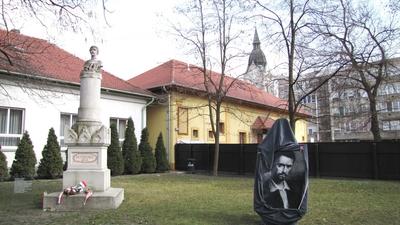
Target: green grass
<point>172,199</point>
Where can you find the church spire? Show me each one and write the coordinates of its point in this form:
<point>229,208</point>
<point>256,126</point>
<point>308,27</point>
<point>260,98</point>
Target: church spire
<point>256,40</point>
<point>257,56</point>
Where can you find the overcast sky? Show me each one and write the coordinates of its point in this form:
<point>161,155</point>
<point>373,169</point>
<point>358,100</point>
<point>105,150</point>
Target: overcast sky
<point>136,41</point>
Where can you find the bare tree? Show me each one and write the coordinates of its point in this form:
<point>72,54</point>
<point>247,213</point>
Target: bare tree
<point>365,36</point>
<point>56,14</point>
<point>17,51</point>
<point>212,33</point>
<point>287,25</point>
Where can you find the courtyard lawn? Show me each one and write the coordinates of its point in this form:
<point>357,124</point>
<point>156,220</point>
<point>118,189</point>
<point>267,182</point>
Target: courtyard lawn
<point>173,198</point>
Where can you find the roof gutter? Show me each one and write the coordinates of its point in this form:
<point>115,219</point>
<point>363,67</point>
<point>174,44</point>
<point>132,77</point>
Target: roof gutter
<point>69,82</point>
<point>143,111</point>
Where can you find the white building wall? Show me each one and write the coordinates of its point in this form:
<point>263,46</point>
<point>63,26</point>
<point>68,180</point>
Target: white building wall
<point>43,112</point>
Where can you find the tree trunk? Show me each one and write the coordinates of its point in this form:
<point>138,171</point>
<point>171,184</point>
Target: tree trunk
<point>216,156</point>
<point>291,97</point>
<point>374,119</point>
<point>292,112</point>
<point>216,136</point>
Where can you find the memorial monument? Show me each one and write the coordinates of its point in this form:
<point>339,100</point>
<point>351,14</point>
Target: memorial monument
<point>281,181</point>
<point>87,143</point>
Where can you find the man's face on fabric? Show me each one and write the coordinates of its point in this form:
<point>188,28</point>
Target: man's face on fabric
<point>282,167</point>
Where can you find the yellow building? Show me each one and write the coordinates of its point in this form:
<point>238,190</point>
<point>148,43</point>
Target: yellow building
<point>181,111</point>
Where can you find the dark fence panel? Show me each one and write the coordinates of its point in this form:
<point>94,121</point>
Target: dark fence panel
<point>249,158</point>
<point>349,159</point>
<point>377,160</point>
<point>388,160</point>
<point>182,153</point>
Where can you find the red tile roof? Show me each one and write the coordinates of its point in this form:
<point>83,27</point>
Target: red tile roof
<point>37,57</point>
<point>262,122</point>
<point>182,74</point>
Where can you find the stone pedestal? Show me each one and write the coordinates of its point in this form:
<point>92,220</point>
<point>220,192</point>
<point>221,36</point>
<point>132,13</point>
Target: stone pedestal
<point>110,199</point>
<point>87,163</point>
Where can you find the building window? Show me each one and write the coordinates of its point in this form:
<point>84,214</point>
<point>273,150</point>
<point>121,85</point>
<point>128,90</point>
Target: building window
<point>195,133</point>
<point>341,110</point>
<point>210,135</point>
<point>11,126</point>
<point>242,137</point>
<point>391,125</point>
<point>313,98</point>
<point>121,127</point>
<point>388,106</point>
<point>222,128</point>
<point>66,121</point>
<point>396,105</point>
<point>385,125</point>
<point>183,120</point>
<point>395,125</point>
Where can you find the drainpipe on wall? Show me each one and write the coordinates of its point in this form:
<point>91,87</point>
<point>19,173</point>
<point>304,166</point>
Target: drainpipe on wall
<point>169,125</point>
<point>143,108</point>
<point>168,122</point>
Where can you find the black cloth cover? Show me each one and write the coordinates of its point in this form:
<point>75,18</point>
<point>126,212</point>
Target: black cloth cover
<point>280,138</point>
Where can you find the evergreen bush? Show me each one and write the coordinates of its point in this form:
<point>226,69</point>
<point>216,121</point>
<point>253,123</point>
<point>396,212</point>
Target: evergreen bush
<point>161,155</point>
<point>115,161</point>
<point>130,153</point>
<point>3,166</point>
<point>149,161</point>
<point>24,162</point>
<point>51,164</point>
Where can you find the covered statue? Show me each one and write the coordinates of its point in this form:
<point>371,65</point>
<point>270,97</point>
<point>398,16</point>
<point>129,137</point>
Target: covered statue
<point>281,181</point>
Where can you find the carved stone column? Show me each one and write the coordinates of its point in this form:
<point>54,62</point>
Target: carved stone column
<point>88,139</point>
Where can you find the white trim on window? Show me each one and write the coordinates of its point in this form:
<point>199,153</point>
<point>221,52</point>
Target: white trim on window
<point>11,131</point>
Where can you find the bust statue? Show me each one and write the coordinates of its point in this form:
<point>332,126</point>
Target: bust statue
<point>93,64</point>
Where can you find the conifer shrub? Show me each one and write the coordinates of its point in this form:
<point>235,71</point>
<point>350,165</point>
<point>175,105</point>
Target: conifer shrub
<point>51,164</point>
<point>149,161</point>
<point>24,162</point>
<point>130,153</point>
<point>115,160</point>
<point>3,166</point>
<point>161,155</point>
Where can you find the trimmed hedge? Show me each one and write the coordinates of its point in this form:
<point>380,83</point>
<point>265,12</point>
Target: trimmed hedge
<point>51,164</point>
<point>25,160</point>
<point>3,167</point>
<point>115,161</point>
<point>149,161</point>
<point>161,155</point>
<point>130,153</point>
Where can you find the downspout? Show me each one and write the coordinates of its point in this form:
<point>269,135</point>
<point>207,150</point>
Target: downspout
<point>168,123</point>
<point>144,108</point>
<point>169,126</point>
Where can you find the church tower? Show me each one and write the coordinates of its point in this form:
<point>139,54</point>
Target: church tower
<point>257,58</point>
<point>256,72</point>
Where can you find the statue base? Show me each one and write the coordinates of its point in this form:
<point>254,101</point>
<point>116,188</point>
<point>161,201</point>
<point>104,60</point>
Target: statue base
<point>97,180</point>
<point>110,199</point>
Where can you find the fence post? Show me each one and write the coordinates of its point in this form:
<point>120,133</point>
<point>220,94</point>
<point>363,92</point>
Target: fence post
<point>375,161</point>
<point>317,160</point>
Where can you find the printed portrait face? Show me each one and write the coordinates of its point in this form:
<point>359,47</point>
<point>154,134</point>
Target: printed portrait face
<point>282,166</point>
